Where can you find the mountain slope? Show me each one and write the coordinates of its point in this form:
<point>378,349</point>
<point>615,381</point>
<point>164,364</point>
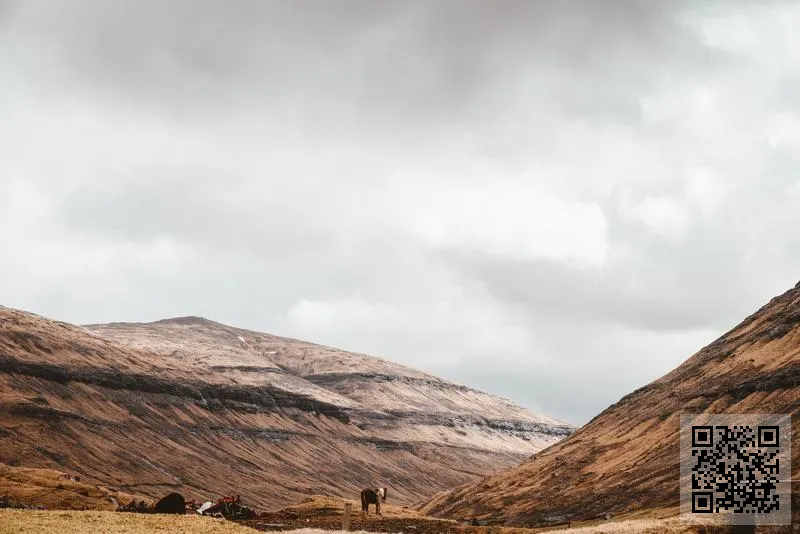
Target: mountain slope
<point>208,409</point>
<point>626,458</point>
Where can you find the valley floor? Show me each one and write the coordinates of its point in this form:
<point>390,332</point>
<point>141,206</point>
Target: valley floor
<point>90,514</point>
<point>323,515</point>
<point>101,522</point>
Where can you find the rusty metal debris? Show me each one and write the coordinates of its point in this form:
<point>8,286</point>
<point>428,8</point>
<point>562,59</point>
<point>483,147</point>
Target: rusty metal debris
<point>226,507</point>
<point>229,508</point>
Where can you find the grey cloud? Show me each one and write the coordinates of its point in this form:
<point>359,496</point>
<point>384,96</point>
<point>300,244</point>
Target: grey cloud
<point>579,295</point>
<point>266,164</point>
<point>711,279</point>
<point>399,60</point>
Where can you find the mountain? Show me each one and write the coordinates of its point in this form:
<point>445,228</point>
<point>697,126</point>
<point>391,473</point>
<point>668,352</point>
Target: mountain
<point>626,459</point>
<point>192,405</point>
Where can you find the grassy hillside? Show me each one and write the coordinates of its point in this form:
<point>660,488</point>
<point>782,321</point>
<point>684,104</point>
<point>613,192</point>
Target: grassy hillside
<point>626,459</point>
<point>51,489</point>
<point>198,407</point>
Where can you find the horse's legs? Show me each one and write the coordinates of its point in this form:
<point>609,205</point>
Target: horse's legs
<point>378,507</point>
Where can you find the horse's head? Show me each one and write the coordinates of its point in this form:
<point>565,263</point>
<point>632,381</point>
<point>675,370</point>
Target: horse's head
<point>382,493</point>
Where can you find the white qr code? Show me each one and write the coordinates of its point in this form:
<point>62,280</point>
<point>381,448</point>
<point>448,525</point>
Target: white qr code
<point>737,465</point>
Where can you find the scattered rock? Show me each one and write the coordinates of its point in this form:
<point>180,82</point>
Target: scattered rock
<point>8,502</point>
<point>174,503</point>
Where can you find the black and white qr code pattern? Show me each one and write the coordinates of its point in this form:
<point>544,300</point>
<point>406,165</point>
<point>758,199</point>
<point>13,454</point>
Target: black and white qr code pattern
<point>735,468</point>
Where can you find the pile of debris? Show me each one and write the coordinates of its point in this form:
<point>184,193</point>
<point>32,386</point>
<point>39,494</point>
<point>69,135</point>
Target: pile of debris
<point>228,508</point>
<point>8,502</point>
<point>174,503</point>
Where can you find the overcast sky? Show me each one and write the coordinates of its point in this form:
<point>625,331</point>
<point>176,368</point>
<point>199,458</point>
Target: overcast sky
<point>553,201</point>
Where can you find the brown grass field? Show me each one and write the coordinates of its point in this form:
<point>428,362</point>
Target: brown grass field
<point>93,522</point>
<point>102,522</point>
<point>315,515</point>
<point>78,508</point>
<point>319,514</point>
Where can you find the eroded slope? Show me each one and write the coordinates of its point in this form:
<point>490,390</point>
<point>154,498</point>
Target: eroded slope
<point>194,405</point>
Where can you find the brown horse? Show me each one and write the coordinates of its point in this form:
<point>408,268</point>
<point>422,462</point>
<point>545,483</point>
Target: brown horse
<point>372,496</point>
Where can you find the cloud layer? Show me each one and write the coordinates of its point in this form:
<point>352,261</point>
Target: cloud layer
<point>551,201</point>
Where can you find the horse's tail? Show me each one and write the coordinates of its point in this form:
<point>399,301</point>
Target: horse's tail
<point>363,500</point>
